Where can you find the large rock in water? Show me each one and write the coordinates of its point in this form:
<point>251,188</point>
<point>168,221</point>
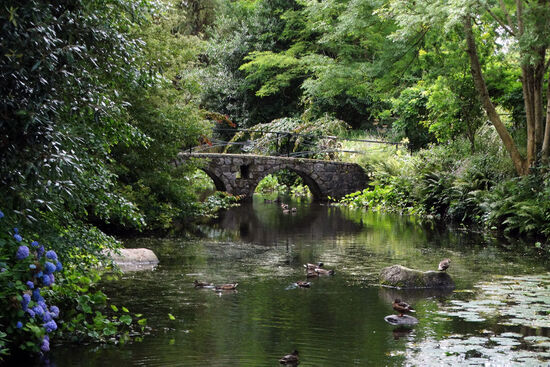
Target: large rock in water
<point>129,259</point>
<point>401,277</point>
<point>404,320</point>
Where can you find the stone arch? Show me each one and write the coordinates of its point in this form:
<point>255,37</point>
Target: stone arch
<point>218,182</point>
<point>308,181</point>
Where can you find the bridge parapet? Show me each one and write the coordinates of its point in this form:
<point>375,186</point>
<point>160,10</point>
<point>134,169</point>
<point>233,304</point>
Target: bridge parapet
<point>239,174</point>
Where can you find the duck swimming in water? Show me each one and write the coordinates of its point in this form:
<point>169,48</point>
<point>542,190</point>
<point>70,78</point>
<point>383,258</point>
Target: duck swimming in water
<point>227,287</point>
<point>321,271</point>
<point>290,359</point>
<point>303,284</point>
<point>198,284</point>
<point>444,264</point>
<point>309,266</point>
<point>402,307</point>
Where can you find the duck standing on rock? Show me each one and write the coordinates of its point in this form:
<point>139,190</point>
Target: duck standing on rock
<point>444,264</point>
<point>402,307</point>
<point>290,359</point>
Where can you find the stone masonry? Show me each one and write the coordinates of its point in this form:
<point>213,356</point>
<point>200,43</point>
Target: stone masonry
<point>239,174</point>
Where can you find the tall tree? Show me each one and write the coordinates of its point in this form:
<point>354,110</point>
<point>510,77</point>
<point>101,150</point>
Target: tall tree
<point>524,28</point>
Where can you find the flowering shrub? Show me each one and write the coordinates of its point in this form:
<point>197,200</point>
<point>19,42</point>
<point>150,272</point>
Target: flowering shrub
<point>32,277</point>
<point>24,273</point>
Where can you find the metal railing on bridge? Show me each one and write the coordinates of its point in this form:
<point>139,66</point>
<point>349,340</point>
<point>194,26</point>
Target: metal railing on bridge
<point>280,143</point>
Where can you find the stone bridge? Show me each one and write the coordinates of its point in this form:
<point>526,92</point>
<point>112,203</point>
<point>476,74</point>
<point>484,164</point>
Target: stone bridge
<point>239,174</point>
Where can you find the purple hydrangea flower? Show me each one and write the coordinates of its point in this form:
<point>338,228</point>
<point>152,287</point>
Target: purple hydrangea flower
<point>38,310</point>
<point>46,280</point>
<point>51,255</point>
<point>40,251</point>
<point>36,295</point>
<point>43,304</point>
<point>17,237</point>
<point>16,230</point>
<point>22,253</point>
<point>30,284</point>
<point>50,326</point>
<point>49,268</point>
<point>1,215</point>
<point>31,312</point>
<point>45,347</point>
<point>19,325</point>
<point>34,244</point>
<point>52,279</point>
<point>25,301</point>
<point>54,310</point>
<point>59,266</point>
<point>47,317</point>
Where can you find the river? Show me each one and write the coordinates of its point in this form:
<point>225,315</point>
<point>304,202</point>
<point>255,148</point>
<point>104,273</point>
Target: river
<point>497,315</point>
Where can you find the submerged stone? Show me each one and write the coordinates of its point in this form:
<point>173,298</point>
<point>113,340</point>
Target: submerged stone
<point>404,320</point>
<point>401,277</point>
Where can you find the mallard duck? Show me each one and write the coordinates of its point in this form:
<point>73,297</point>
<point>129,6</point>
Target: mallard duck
<point>284,206</point>
<point>227,287</point>
<point>309,266</point>
<point>303,284</point>
<point>290,359</point>
<point>311,273</point>
<point>402,307</point>
<point>444,264</point>
<point>322,271</point>
<point>202,284</point>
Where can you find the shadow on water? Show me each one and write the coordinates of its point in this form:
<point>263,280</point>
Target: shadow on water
<point>339,320</point>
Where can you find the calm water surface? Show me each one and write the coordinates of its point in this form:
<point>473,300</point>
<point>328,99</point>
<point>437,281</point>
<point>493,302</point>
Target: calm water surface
<point>498,315</point>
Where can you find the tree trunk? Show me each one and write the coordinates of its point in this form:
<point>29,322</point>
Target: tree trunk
<point>519,162</point>
<point>546,143</point>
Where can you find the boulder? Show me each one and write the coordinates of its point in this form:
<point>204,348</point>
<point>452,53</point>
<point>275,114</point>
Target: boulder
<point>129,259</point>
<point>404,320</point>
<point>401,277</point>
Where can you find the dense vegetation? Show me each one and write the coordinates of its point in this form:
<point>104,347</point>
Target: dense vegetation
<point>98,96</point>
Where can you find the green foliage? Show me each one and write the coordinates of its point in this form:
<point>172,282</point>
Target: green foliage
<point>300,137</point>
<point>412,113</point>
<point>270,184</point>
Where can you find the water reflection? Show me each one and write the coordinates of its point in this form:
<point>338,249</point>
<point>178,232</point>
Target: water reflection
<point>338,320</point>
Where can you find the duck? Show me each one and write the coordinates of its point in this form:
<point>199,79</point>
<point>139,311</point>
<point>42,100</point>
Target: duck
<point>311,273</point>
<point>309,266</point>
<point>286,211</point>
<point>444,264</point>
<point>322,271</point>
<point>303,284</point>
<point>227,287</point>
<point>202,284</point>
<point>284,206</point>
<point>293,210</point>
<point>290,359</point>
<point>402,307</point>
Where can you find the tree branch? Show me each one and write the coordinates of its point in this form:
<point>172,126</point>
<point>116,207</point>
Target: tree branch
<point>501,22</point>
<point>505,11</point>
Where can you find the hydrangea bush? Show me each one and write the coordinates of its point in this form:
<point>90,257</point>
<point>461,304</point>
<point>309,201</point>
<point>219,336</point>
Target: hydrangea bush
<point>35,285</point>
<point>27,271</point>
